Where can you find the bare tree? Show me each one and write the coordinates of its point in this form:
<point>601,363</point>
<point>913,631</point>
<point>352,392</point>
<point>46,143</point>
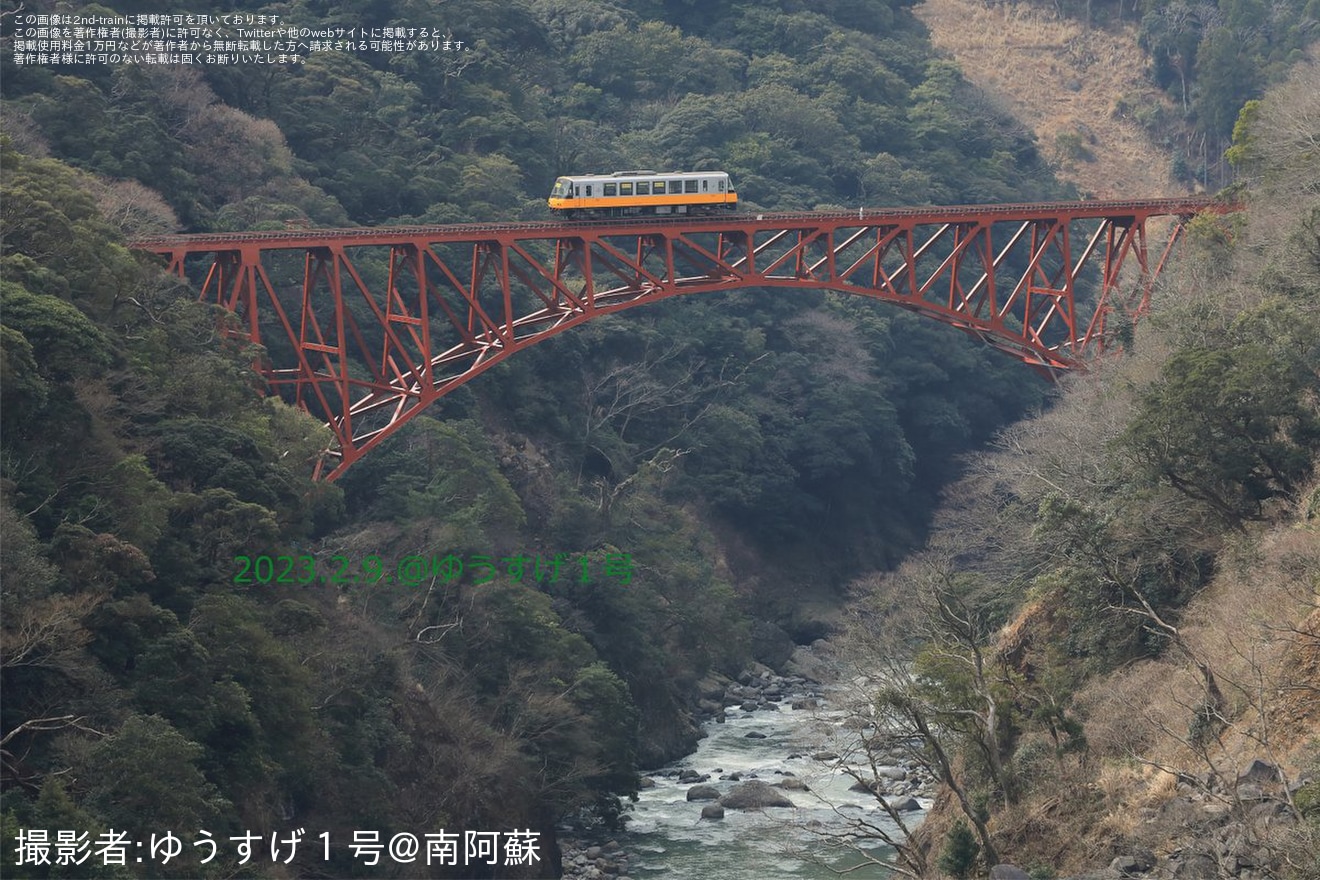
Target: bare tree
<point>931,689</point>
<point>135,209</point>
<point>627,393</point>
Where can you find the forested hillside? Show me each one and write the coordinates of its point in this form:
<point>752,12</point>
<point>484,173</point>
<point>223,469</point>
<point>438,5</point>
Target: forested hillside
<point>741,452</point>
<point>1209,56</point>
<point>1114,632</point>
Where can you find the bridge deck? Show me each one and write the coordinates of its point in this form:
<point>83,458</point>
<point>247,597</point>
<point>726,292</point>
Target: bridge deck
<point>386,235</point>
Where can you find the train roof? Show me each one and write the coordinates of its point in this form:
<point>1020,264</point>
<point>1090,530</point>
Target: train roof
<point>617,175</point>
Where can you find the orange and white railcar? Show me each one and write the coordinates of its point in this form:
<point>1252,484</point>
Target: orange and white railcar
<point>642,193</point>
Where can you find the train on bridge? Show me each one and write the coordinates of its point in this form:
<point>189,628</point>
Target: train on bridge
<point>642,194</point>
<point>459,299</point>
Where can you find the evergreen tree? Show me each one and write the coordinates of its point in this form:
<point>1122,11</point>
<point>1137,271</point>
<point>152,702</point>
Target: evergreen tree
<point>958,857</point>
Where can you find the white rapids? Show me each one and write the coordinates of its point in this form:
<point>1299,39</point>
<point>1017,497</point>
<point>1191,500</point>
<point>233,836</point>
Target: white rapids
<point>667,838</point>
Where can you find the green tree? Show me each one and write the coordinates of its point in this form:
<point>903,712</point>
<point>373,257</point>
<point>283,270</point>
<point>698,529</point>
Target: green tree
<point>1228,75</point>
<point>23,390</point>
<point>440,472</point>
<point>958,858</point>
<point>56,242</point>
<point>65,343</point>
<point>1231,427</point>
<point>145,779</point>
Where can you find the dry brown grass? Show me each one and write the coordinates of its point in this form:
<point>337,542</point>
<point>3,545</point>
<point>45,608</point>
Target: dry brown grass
<point>1257,626</point>
<point>1059,78</point>
<point>1126,788</point>
<point>1054,825</point>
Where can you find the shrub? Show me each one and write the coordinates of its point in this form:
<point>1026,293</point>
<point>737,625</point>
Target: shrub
<point>960,851</point>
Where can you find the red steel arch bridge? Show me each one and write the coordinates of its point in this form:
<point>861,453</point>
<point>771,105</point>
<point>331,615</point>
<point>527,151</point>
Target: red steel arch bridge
<point>366,327</point>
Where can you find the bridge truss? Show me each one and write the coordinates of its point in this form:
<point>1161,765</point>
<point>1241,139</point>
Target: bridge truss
<point>365,328</point>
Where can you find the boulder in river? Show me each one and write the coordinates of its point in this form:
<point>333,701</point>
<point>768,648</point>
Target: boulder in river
<point>905,805</point>
<point>754,795</point>
<point>807,663</point>
<point>703,793</point>
<point>712,811</point>
<point>770,645</point>
<point>712,687</point>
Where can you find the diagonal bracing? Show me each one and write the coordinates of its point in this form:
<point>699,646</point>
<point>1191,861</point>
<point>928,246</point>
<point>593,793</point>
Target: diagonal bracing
<point>365,328</point>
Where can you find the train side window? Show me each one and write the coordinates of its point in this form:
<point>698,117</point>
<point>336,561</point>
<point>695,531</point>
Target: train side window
<point>659,188</point>
<point>705,186</point>
<point>643,187</point>
<point>588,190</point>
<point>625,189</point>
<point>609,189</point>
<point>689,186</point>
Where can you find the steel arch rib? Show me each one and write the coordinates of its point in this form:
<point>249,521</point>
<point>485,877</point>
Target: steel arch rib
<point>460,299</point>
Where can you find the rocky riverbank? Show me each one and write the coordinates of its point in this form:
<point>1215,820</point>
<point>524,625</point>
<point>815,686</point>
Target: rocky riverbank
<point>763,789</point>
<point>607,861</point>
<point>1213,827</point>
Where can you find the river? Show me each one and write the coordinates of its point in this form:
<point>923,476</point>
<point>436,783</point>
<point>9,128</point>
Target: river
<point>667,839</point>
